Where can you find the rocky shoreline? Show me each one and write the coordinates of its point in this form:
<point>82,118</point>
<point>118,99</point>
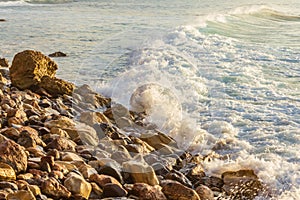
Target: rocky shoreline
<point>61,141</point>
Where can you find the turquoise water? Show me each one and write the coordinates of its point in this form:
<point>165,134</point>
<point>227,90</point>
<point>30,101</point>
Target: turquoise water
<point>234,68</point>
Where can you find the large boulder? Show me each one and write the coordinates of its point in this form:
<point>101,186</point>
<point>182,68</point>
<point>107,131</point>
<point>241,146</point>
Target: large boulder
<point>28,68</point>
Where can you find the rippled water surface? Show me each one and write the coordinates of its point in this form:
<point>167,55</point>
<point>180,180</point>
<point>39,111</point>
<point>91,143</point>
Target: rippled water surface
<point>234,68</point>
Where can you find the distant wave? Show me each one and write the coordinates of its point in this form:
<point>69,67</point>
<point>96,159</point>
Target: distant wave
<point>4,3</point>
<point>265,12</point>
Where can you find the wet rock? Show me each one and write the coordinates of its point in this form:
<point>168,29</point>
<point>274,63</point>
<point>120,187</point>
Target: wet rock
<point>155,139</point>
<point>21,195</point>
<point>89,96</point>
<point>111,170</point>
<point>113,190</point>
<point>28,68</point>
<point>180,177</point>
<point>2,20</point>
<point>77,185</point>
<point>54,189</point>
<point>193,171</point>
<point>14,155</point>
<point>214,183</point>
<point>204,192</point>
<point>7,173</point>
<point>57,54</point>
<point>140,171</point>
<point>175,190</point>
<point>102,179</point>
<point>4,62</point>
<point>242,184</point>
<point>147,192</point>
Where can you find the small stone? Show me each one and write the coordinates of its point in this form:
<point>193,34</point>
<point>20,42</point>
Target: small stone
<point>61,144</point>
<point>35,190</point>
<point>69,156</point>
<point>204,192</point>
<point>140,172</point>
<point>25,176</point>
<point>54,189</point>
<point>147,192</point>
<point>14,155</point>
<point>113,190</point>
<point>178,176</point>
<point>102,179</point>
<point>175,190</point>
<point>21,195</point>
<point>77,185</point>
<point>5,184</point>
<point>96,191</point>
<point>87,171</point>
<point>91,118</point>
<point>111,170</point>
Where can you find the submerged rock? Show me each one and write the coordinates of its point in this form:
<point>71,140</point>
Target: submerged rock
<point>242,184</point>
<point>57,54</point>
<point>4,62</point>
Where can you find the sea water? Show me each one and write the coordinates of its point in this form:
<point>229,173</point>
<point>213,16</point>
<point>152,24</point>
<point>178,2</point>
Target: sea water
<point>221,78</point>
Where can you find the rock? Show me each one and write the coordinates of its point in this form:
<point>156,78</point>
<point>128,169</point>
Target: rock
<point>28,68</point>
<point>4,62</point>
<point>14,155</point>
<point>57,54</point>
<point>178,176</point>
<point>77,185</point>
<point>96,191</point>
<point>25,176</point>
<point>91,118</point>
<point>29,137</point>
<point>2,20</point>
<point>102,179</point>
<point>35,190</point>
<point>55,86</point>
<point>175,190</point>
<point>87,171</point>
<point>11,133</point>
<point>113,190</point>
<point>242,184</point>
<point>214,183</point>
<point>204,192</point>
<point>193,171</point>
<point>69,156</point>
<point>89,96</point>
<point>111,170</point>
<point>54,189</point>
<point>140,172</point>
<point>61,144</point>
<point>5,184</point>
<point>21,195</point>
<point>156,139</point>
<point>147,192</point>
<point>7,173</point>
